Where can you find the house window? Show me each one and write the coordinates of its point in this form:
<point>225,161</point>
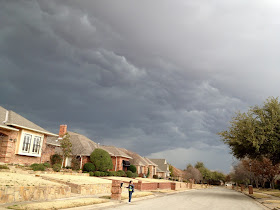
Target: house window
<point>30,144</point>
<point>36,144</point>
<point>26,142</point>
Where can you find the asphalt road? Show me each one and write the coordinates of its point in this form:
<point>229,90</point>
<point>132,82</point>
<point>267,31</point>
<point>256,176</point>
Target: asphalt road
<point>217,198</point>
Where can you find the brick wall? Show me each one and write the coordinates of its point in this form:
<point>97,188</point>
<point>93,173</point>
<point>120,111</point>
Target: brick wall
<point>8,141</point>
<point>39,193</point>
<point>164,185</point>
<point>88,189</point>
<point>119,163</point>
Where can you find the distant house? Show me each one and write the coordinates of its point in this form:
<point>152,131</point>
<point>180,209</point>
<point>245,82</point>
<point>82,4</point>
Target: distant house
<point>82,147</point>
<point>177,173</point>
<point>142,164</point>
<point>22,141</point>
<point>121,160</point>
<point>162,168</point>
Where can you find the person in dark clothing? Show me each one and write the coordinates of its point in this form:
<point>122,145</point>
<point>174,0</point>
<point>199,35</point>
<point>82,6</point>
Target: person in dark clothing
<point>130,191</point>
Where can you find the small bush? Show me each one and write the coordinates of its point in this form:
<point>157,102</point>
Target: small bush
<point>132,168</point>
<point>4,167</point>
<point>56,158</point>
<point>88,167</point>
<point>120,173</point>
<point>91,173</point>
<point>155,176</point>
<point>97,173</point>
<point>107,173</point>
<point>129,174</point>
<point>47,165</point>
<point>37,167</point>
<point>56,167</point>
<point>112,173</point>
<point>102,173</point>
<point>134,175</point>
<point>75,163</point>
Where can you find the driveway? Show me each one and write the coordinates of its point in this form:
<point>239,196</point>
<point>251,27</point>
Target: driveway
<point>214,198</point>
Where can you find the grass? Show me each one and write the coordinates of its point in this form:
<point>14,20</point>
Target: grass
<point>272,201</point>
<point>60,204</point>
<point>257,195</point>
<point>272,192</point>
<point>4,167</point>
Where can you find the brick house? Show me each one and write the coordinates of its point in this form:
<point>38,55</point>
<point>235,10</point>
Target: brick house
<point>162,168</point>
<point>82,147</point>
<point>121,160</point>
<point>22,141</point>
<point>142,164</point>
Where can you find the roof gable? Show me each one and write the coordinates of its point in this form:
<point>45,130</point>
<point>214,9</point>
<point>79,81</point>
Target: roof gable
<point>10,118</point>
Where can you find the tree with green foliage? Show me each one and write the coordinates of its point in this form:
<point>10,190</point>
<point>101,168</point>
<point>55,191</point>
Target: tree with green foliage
<point>205,172</point>
<point>132,168</point>
<point>66,147</point>
<point>255,134</point>
<point>148,174</point>
<point>101,160</point>
<point>171,170</point>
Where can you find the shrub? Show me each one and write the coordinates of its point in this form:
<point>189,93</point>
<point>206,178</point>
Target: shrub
<point>75,163</point>
<point>47,165</point>
<point>37,167</point>
<point>129,174</point>
<point>101,160</point>
<point>120,173</point>
<point>91,173</point>
<point>4,167</point>
<point>112,173</point>
<point>89,167</point>
<point>102,173</point>
<point>132,168</point>
<point>56,158</point>
<point>56,167</point>
<point>155,176</point>
<point>134,175</point>
<point>107,173</point>
<point>97,173</point>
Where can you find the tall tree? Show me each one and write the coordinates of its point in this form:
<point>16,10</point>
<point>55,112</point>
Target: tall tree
<point>66,147</point>
<point>262,170</point>
<point>256,133</point>
<point>192,173</point>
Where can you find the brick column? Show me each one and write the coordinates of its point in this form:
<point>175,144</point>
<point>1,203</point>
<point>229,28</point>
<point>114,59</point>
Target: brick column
<point>139,185</point>
<point>116,190</point>
<point>250,189</point>
<point>173,186</point>
<point>242,188</point>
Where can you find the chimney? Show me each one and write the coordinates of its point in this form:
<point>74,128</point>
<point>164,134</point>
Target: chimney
<point>62,130</point>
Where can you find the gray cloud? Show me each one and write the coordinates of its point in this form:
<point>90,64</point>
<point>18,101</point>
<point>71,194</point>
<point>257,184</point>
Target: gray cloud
<point>155,77</point>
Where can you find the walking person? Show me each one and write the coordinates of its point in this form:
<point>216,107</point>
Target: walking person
<point>130,191</point>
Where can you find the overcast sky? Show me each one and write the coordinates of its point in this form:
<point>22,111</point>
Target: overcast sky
<point>160,78</point>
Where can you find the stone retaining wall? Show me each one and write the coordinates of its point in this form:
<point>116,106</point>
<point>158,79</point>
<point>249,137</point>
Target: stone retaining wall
<point>85,189</point>
<point>14,194</point>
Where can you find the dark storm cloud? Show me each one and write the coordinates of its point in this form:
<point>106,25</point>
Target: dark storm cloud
<point>158,77</point>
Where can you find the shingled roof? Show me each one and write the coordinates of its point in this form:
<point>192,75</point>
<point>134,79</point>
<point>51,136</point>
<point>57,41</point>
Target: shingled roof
<point>115,151</point>
<point>162,164</point>
<point>81,145</point>
<point>11,121</point>
<point>137,159</point>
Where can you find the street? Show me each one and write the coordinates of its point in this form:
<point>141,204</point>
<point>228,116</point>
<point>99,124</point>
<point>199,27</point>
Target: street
<point>214,198</point>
